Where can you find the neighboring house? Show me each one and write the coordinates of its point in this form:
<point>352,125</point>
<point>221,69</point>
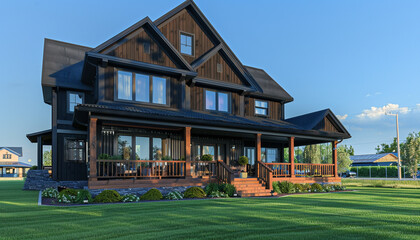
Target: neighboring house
<point>9,162</point>
<point>382,159</point>
<point>143,107</point>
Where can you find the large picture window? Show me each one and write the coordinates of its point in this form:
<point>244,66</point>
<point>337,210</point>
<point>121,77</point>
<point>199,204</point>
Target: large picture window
<point>74,150</point>
<point>217,101</point>
<point>141,87</point>
<point>261,107</point>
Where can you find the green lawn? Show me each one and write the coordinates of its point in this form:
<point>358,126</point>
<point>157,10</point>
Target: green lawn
<point>369,213</point>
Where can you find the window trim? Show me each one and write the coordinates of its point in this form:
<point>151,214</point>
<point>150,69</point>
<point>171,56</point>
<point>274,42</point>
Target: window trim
<point>83,149</point>
<point>133,89</point>
<point>217,101</point>
<point>68,100</point>
<point>267,108</point>
<point>192,43</point>
<point>7,156</point>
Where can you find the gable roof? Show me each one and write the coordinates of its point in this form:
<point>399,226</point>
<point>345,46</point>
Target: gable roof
<point>146,22</point>
<point>270,88</point>
<point>15,150</point>
<point>370,158</point>
<point>311,120</point>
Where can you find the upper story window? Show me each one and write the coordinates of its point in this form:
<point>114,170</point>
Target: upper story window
<point>217,101</point>
<point>74,150</point>
<point>73,100</point>
<point>261,107</point>
<point>141,87</point>
<point>186,41</point>
<point>7,156</point>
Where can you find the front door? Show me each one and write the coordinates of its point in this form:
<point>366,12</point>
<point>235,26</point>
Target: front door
<point>250,154</point>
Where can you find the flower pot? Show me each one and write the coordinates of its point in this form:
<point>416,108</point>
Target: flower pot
<point>243,174</point>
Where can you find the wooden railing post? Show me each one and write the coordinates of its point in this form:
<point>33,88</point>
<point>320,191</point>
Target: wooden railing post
<point>258,147</point>
<point>187,137</point>
<point>92,149</point>
<point>292,156</point>
<point>334,157</point>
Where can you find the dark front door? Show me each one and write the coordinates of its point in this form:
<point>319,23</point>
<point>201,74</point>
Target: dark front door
<point>250,153</point>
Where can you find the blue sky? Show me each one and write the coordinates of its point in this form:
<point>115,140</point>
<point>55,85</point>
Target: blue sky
<point>359,58</point>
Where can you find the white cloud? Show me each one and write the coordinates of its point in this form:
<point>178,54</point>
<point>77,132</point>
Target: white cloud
<point>374,94</point>
<point>377,112</point>
<point>342,118</point>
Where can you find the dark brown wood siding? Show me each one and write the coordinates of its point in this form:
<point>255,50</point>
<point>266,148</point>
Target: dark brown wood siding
<point>329,126</point>
<point>184,22</point>
<point>209,70</point>
<point>139,46</point>
<point>197,100</point>
<point>274,108</point>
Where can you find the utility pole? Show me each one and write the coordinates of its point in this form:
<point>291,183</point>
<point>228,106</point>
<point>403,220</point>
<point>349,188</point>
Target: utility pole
<point>398,145</point>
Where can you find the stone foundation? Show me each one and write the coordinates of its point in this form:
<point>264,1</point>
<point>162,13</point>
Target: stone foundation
<point>40,180</point>
<point>141,191</point>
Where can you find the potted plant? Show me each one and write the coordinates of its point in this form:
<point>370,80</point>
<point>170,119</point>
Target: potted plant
<point>243,161</point>
<point>205,169</point>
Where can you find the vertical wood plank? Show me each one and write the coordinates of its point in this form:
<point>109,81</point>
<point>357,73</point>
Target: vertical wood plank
<point>334,157</point>
<point>92,149</point>
<point>187,137</point>
<point>292,156</point>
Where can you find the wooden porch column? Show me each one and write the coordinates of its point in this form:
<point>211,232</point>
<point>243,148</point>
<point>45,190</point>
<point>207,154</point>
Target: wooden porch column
<point>258,147</point>
<point>92,149</point>
<point>187,138</point>
<point>39,153</point>
<point>292,156</point>
<point>334,157</point>
<point>20,172</point>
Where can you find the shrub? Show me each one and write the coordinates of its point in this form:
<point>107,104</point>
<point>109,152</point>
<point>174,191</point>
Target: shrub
<point>194,192</point>
<point>130,198</point>
<point>299,188</point>
<point>82,196</point>
<point>227,188</point>
<point>33,168</point>
<point>107,196</point>
<point>328,188</point>
<point>66,198</point>
<point>306,187</point>
<point>151,195</point>
<point>206,157</point>
<point>316,187</point>
<point>339,187</point>
<point>50,193</point>
<point>276,187</point>
<point>218,194</point>
<point>175,195</point>
<point>103,156</point>
<point>243,160</point>
<point>69,191</point>
<point>211,187</point>
<point>286,187</point>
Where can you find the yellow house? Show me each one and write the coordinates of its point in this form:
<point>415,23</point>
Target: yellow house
<point>9,162</point>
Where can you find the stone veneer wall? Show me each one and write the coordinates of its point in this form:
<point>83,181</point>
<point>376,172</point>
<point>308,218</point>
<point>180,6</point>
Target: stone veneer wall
<point>40,180</point>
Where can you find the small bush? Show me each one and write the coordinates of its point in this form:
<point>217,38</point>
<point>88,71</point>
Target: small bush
<point>82,196</point>
<point>103,156</point>
<point>243,160</point>
<point>66,198</point>
<point>70,191</point>
<point>206,157</point>
<point>339,187</point>
<point>316,187</point>
<point>33,168</point>
<point>151,195</point>
<point>286,187</point>
<point>306,187</point>
<point>299,188</point>
<point>328,188</point>
<point>194,192</point>
<point>50,193</point>
<point>229,189</point>
<point>130,198</point>
<point>218,194</point>
<point>211,187</point>
<point>107,196</point>
<point>175,195</point>
<point>276,187</point>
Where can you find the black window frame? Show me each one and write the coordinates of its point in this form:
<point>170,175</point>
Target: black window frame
<point>217,101</point>
<point>266,108</point>
<point>7,156</point>
<point>82,148</point>
<point>192,43</point>
<point>133,87</point>
<point>68,100</point>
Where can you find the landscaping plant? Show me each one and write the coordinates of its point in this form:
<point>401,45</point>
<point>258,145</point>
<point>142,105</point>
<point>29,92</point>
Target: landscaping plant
<point>194,192</point>
<point>50,193</point>
<point>130,198</point>
<point>151,195</point>
<point>206,157</point>
<point>218,194</point>
<point>107,196</point>
<point>316,187</point>
<point>174,195</point>
<point>286,187</point>
<point>83,196</point>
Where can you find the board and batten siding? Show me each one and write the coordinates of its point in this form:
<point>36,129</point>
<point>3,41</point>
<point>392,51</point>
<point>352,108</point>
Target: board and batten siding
<point>197,100</point>
<point>184,22</point>
<point>274,108</point>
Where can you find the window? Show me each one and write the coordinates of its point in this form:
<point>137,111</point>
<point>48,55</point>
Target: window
<point>217,101</point>
<point>146,47</point>
<point>208,150</point>
<point>269,155</point>
<point>157,149</point>
<point>7,156</point>
<point>73,100</point>
<point>146,88</point>
<point>125,147</point>
<point>75,150</point>
<point>142,148</point>
<point>219,68</point>
<point>186,44</point>
<point>261,107</point>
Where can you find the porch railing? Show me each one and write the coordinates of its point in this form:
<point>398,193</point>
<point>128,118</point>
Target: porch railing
<point>265,174</point>
<point>224,173</point>
<point>314,170</point>
<point>204,168</point>
<point>301,169</point>
<point>110,169</point>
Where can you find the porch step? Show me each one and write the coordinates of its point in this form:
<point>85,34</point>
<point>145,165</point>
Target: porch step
<point>250,187</point>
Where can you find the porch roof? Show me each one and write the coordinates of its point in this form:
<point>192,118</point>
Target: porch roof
<point>15,164</point>
<point>195,117</point>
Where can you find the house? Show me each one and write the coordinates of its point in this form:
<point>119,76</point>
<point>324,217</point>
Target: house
<point>142,108</point>
<point>382,159</point>
<point>9,162</point>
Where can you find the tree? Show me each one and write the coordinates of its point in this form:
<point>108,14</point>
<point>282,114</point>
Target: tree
<point>312,154</point>
<point>388,148</point>
<point>47,158</point>
<point>343,158</point>
<point>410,153</point>
<point>349,150</point>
